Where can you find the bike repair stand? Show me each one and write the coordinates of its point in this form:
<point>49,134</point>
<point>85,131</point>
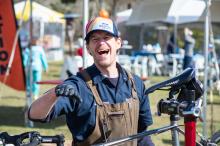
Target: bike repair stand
<point>29,99</point>
<point>174,132</point>
<point>190,114</point>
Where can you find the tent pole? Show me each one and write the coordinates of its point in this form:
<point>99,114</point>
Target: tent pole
<point>85,20</point>
<point>217,73</point>
<point>42,29</point>
<point>206,41</point>
<point>29,95</point>
<point>175,34</point>
<point>141,41</point>
<point>214,49</point>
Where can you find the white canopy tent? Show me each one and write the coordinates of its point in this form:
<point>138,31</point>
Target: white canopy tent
<point>214,9</point>
<point>39,12</point>
<point>43,17</point>
<point>171,11</point>
<point>123,16</point>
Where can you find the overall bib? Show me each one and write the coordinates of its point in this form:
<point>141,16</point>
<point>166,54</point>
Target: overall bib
<point>113,120</point>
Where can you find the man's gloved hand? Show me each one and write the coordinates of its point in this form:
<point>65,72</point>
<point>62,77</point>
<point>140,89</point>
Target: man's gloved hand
<point>68,91</point>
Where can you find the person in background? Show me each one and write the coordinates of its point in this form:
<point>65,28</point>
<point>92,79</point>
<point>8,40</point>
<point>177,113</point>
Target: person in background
<point>102,102</point>
<point>37,63</point>
<point>171,45</point>
<point>189,44</point>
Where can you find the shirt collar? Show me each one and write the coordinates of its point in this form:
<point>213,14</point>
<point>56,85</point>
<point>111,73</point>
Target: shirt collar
<point>122,72</point>
<point>97,77</point>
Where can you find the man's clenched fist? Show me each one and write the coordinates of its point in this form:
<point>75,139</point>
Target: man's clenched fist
<point>68,91</point>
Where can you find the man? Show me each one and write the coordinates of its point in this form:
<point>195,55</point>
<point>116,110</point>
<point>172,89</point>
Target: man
<point>189,43</point>
<point>102,102</point>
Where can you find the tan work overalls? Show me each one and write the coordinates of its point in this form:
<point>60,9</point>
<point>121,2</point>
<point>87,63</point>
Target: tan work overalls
<point>113,120</point>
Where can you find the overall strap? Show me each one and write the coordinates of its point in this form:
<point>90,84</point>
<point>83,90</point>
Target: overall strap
<point>133,87</point>
<point>93,88</point>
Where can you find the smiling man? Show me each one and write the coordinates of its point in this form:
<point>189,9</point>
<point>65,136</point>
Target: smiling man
<point>104,101</point>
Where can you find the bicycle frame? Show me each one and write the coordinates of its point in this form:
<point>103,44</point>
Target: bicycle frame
<point>139,135</point>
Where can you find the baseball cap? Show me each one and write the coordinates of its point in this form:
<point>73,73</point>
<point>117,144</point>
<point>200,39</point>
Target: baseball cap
<point>103,24</point>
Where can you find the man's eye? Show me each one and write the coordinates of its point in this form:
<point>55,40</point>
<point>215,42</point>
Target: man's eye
<point>107,37</point>
<point>94,39</point>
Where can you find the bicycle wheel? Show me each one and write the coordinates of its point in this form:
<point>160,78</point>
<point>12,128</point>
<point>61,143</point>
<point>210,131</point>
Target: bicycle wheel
<point>216,138</point>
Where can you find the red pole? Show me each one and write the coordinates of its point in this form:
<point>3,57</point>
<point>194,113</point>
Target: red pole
<point>190,130</point>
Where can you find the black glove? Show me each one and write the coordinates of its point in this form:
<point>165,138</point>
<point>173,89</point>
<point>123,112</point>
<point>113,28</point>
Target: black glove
<point>68,91</point>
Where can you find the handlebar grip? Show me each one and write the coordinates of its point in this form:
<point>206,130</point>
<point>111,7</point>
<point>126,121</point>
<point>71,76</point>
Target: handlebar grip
<point>58,139</point>
<point>34,137</point>
<point>15,139</point>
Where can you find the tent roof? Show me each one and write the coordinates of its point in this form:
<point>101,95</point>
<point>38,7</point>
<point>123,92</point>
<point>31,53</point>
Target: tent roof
<point>146,10</point>
<point>170,11</point>
<point>214,11</point>
<point>123,15</point>
<point>38,12</point>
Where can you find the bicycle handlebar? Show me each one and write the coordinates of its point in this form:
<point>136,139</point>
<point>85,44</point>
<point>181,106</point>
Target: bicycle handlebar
<point>175,82</point>
<point>187,80</point>
<point>35,138</point>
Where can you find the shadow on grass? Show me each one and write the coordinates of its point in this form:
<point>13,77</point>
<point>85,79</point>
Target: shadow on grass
<point>14,116</point>
<point>214,103</point>
<point>166,141</point>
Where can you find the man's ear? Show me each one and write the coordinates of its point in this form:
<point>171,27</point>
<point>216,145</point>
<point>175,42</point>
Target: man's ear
<point>87,47</point>
<point>119,42</point>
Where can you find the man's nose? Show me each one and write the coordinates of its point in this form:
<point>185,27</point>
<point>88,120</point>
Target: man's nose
<point>101,42</point>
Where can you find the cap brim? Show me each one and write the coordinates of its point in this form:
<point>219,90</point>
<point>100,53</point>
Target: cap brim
<point>88,35</point>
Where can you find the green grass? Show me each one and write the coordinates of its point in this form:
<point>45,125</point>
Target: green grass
<point>12,115</point>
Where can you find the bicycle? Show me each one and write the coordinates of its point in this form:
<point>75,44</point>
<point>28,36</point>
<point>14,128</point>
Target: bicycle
<point>31,138</point>
<point>185,101</point>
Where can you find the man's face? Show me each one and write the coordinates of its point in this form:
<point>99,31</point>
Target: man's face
<point>103,47</point>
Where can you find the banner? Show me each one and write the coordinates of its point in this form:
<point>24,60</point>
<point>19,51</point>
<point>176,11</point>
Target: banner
<point>15,78</point>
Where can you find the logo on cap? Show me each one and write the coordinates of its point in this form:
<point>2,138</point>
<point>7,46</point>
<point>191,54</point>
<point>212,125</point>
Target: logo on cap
<point>104,26</point>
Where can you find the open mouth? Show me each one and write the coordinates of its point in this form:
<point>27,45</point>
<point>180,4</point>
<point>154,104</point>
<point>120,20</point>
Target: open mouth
<point>101,52</point>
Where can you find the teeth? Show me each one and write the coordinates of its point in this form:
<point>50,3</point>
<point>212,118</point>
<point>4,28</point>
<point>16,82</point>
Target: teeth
<point>103,51</point>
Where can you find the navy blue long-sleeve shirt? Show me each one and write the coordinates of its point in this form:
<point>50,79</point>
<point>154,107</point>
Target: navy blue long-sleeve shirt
<point>80,117</point>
